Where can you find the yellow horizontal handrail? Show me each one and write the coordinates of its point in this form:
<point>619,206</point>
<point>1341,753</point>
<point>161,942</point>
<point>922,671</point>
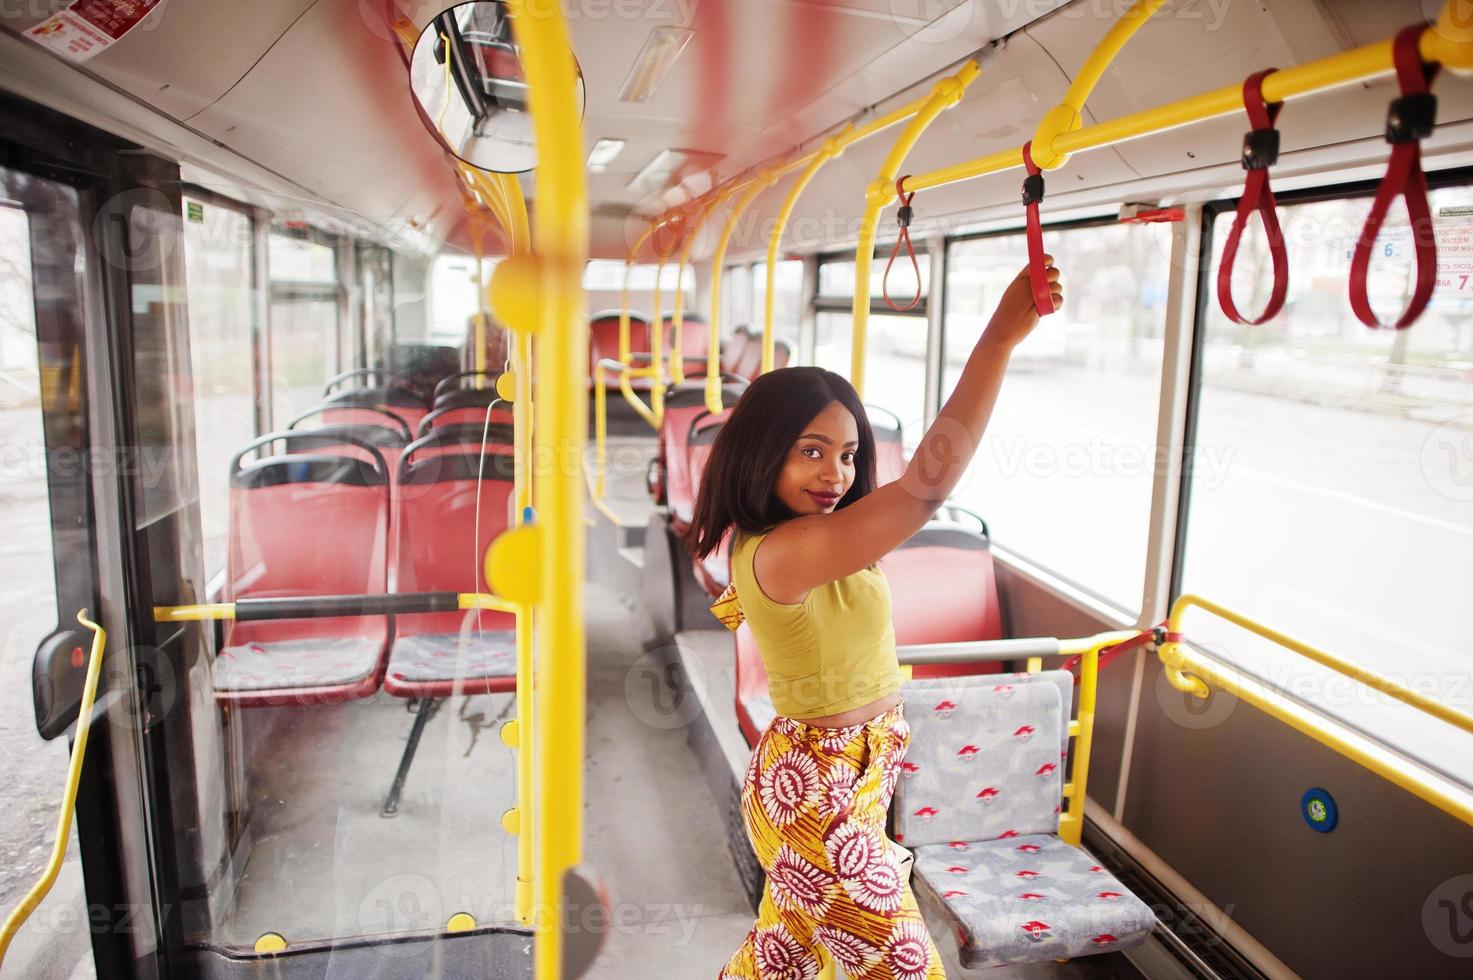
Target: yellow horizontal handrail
<point>42,888</point>
<point>1369,678</point>
<point>1451,45</point>
<point>1197,674</point>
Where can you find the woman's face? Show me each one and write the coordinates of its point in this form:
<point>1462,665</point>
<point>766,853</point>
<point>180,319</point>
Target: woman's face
<point>819,468</point>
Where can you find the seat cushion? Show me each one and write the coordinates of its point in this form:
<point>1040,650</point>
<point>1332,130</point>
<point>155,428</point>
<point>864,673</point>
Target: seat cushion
<point>1029,898</point>
<point>451,662</point>
<point>985,760</point>
<point>308,663</point>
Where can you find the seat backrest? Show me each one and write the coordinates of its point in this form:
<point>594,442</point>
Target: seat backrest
<point>782,353</point>
<point>889,444</point>
<point>349,439</point>
<point>328,414</point>
<point>402,401</point>
<point>986,759</point>
<point>698,443</point>
<point>465,415</point>
<point>735,349</point>
<point>442,540</point>
<point>943,587</point>
<point>304,524</point>
<point>465,381</point>
<point>682,406</point>
<point>749,364</point>
<point>603,337</point>
<point>695,336</point>
<point>463,437</point>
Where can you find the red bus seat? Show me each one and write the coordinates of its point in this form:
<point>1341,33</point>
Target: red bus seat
<point>305,524</point>
<point>408,404</point>
<point>603,341</point>
<point>735,348</point>
<point>683,406</point>
<point>889,447</point>
<point>442,544</point>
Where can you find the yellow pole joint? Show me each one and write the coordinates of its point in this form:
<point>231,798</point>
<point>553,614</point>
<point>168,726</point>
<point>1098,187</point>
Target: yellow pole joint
<point>1451,38</point>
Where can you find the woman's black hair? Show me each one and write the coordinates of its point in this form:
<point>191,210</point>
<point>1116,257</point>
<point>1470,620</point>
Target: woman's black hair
<point>737,487</point>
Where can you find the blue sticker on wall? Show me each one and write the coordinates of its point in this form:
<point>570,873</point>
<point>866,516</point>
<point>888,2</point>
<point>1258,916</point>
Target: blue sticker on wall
<point>1319,810</point>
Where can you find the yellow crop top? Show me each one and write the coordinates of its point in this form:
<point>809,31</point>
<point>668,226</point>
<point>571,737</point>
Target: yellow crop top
<point>831,652</point>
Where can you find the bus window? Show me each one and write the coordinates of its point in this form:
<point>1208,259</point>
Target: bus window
<point>1064,474</point>
<point>1339,507</point>
<point>895,363</point>
<point>787,304</point>
<point>305,309</point>
<point>217,263</point>
<point>453,299</point>
<point>737,306</point>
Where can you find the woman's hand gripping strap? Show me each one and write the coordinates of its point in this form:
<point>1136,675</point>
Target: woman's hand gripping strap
<point>1037,271</point>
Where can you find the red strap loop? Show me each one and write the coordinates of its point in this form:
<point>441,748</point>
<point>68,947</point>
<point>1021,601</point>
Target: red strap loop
<point>1403,177</point>
<point>1155,634</point>
<point>903,218</point>
<point>1260,151</point>
<point>1037,271</point>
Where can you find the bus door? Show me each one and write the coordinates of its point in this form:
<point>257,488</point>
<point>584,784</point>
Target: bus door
<point>233,814</point>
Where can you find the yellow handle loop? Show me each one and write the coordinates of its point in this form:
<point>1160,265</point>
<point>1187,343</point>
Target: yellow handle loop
<point>40,890</point>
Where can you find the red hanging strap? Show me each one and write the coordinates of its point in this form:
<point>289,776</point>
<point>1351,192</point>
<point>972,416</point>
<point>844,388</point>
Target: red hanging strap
<point>1037,271</point>
<point>903,217</point>
<point>1157,634</point>
<point>1410,120</point>
<point>1260,151</point>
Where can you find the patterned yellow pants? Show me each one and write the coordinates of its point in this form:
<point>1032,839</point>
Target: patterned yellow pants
<point>814,803</point>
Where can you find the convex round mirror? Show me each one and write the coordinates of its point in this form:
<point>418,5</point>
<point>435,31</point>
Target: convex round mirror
<point>466,75</point>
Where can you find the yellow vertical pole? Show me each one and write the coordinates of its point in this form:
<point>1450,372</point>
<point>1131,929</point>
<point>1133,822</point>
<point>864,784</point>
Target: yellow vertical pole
<point>677,317</point>
<point>947,92</point>
<point>831,148</point>
<point>551,285</point>
<point>713,352</point>
<point>1071,825</point>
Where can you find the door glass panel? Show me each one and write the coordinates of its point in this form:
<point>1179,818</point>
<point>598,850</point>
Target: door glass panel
<point>287,734</point>
<point>40,368</point>
<point>217,259</point>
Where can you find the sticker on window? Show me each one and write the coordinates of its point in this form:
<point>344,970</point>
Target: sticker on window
<point>89,26</point>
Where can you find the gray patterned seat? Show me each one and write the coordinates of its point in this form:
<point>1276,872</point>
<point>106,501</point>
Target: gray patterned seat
<point>437,664</point>
<point>979,801</point>
<point>307,663</point>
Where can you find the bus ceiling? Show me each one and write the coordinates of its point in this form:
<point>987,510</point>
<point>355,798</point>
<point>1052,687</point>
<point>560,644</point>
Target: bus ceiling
<point>308,109</point>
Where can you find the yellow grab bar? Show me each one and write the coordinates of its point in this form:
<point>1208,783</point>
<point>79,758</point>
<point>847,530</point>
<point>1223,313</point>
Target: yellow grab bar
<point>1450,43</point>
<point>1369,678</point>
<point>42,888</point>
<point>677,358</point>
<point>831,148</point>
<point>713,352</point>
<point>946,93</point>
<point>1198,674</point>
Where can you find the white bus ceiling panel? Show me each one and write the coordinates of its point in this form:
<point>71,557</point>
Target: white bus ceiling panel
<point>329,106</point>
<point>999,111</point>
<point>872,50</point>
<point>183,56</point>
<point>1208,45</point>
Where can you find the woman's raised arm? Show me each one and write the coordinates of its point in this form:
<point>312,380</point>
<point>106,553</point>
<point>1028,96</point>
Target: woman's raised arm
<point>810,551</point>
